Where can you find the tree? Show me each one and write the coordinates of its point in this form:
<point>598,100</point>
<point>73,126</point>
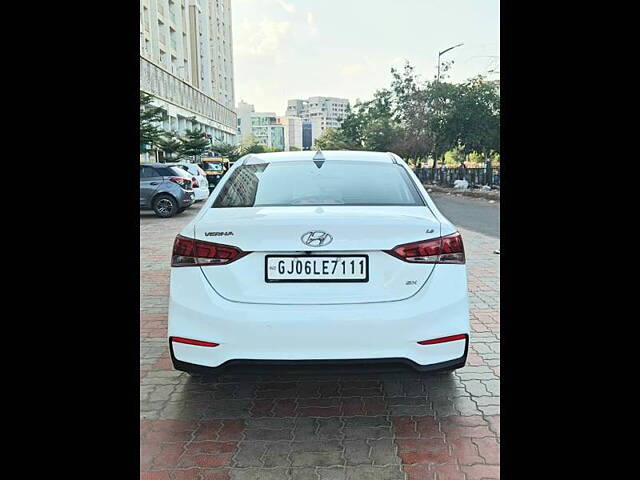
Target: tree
<point>150,117</point>
<point>476,117</point>
<point>227,150</point>
<point>194,143</point>
<point>441,98</point>
<point>333,139</point>
<point>170,144</point>
<point>254,147</point>
<point>423,120</point>
<point>414,113</point>
<point>352,126</point>
<point>380,129</point>
<point>367,126</point>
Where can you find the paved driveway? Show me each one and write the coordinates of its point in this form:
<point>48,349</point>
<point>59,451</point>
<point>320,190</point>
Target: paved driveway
<point>318,424</point>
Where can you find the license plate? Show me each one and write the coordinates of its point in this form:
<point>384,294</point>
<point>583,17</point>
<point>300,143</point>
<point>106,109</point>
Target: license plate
<point>316,268</point>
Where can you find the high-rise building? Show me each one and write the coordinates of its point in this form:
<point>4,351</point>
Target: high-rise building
<point>321,112</point>
<point>263,127</point>
<point>292,132</point>
<point>307,137</point>
<point>186,64</point>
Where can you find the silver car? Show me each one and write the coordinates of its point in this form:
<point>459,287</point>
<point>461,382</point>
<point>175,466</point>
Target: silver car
<point>165,189</point>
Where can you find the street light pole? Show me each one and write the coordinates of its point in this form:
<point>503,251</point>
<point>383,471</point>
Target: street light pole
<point>437,106</point>
<point>441,53</point>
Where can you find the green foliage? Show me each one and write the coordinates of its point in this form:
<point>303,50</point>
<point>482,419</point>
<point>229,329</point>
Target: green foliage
<point>194,143</point>
<point>170,144</point>
<point>226,150</point>
<point>247,147</point>
<point>254,147</point>
<point>423,120</point>
<point>367,126</point>
<point>150,116</point>
<point>476,118</point>
<point>334,139</point>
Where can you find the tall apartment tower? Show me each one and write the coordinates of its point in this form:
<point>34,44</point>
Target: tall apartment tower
<point>186,63</point>
<point>320,112</point>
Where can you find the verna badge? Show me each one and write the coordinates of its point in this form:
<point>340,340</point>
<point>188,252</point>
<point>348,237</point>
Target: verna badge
<point>316,238</point>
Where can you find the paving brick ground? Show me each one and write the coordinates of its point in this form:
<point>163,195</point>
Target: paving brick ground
<point>318,425</point>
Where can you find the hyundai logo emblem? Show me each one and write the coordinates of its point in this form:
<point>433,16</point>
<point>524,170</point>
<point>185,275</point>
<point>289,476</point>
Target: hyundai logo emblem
<point>316,239</point>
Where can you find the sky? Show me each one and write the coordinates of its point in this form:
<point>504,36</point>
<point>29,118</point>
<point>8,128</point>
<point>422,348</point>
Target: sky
<point>286,49</point>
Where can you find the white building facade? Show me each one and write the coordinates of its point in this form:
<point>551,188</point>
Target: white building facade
<point>263,127</point>
<point>186,64</point>
<point>292,132</point>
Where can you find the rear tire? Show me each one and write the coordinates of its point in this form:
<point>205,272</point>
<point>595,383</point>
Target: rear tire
<point>165,206</point>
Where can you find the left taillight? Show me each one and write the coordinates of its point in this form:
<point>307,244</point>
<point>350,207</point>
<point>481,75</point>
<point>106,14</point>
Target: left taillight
<point>194,182</point>
<point>183,182</point>
<point>448,249</point>
<point>189,252</point>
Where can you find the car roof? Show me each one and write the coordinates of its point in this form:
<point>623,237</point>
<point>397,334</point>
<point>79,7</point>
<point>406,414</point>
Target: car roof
<point>332,155</point>
<point>157,165</point>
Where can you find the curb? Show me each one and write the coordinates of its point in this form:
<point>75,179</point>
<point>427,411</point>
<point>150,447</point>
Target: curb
<point>493,195</point>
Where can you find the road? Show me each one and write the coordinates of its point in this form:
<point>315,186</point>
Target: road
<point>475,214</point>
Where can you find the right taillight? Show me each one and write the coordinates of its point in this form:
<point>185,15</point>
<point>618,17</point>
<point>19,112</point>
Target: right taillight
<point>447,249</point>
<point>189,252</point>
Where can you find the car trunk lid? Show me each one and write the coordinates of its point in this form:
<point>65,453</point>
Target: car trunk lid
<point>368,231</point>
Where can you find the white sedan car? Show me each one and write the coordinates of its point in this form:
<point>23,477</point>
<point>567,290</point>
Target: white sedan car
<point>336,257</point>
<point>199,180</point>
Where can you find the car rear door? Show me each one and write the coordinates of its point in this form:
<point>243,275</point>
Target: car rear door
<point>150,180</point>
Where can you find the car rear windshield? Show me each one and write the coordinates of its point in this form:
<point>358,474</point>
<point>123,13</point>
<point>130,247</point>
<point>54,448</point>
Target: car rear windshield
<point>323,183</point>
<point>212,167</point>
<point>180,170</point>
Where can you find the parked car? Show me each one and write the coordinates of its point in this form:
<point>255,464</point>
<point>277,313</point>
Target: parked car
<point>199,180</point>
<point>165,189</point>
<point>327,258</point>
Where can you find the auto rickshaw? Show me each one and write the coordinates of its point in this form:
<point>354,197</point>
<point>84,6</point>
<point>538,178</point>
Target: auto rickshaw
<point>215,168</point>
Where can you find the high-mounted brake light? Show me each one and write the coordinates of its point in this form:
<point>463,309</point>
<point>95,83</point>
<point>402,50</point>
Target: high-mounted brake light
<point>188,252</point>
<point>447,249</point>
<point>190,341</point>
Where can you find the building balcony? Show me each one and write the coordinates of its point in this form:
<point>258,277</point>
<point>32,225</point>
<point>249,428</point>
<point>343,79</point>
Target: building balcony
<point>159,82</point>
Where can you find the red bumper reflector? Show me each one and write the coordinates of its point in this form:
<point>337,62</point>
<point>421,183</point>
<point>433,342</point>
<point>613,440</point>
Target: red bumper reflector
<point>451,338</point>
<point>189,341</point>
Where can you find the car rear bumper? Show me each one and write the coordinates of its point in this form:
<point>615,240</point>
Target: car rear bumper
<point>202,193</point>
<point>186,198</point>
<point>342,364</point>
<point>265,333</point>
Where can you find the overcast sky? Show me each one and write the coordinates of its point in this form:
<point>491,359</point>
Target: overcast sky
<point>285,49</point>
